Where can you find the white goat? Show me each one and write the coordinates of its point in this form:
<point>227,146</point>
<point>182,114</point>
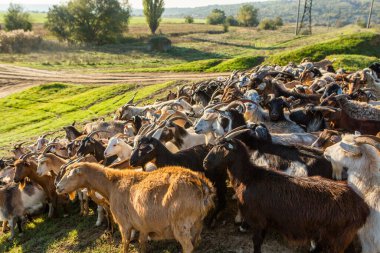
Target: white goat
<point>117,146</point>
<point>360,155</point>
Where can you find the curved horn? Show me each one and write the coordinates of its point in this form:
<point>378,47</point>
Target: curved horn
<point>179,117</point>
<point>368,139</point>
<point>97,131</point>
<point>325,108</point>
<point>48,147</point>
<point>26,156</point>
<point>131,100</point>
<point>17,146</point>
<point>236,133</point>
<point>234,130</point>
<point>238,102</point>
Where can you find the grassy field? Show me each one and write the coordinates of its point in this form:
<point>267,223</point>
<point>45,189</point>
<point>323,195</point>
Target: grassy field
<point>49,107</point>
<point>191,42</point>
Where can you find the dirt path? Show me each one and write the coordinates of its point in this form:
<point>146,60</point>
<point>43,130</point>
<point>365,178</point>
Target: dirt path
<point>14,78</point>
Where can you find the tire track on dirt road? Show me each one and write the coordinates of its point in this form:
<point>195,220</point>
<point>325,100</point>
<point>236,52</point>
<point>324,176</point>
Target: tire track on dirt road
<point>15,78</point>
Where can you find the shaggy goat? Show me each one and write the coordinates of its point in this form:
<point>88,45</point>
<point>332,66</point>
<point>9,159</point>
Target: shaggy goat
<point>269,199</point>
<point>167,204</point>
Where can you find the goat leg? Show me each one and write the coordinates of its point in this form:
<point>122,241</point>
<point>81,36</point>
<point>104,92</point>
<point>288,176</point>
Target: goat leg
<point>19,225</point>
<point>258,239</point>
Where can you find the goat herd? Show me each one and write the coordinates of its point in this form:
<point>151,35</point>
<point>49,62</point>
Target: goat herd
<point>299,145</point>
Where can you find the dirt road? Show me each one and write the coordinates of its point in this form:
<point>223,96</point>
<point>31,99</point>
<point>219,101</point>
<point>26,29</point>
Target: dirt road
<point>14,78</point>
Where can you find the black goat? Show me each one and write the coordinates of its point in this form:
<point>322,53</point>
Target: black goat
<point>71,133</point>
<point>311,117</point>
<point>295,160</point>
<point>94,147</point>
<point>302,209</point>
<point>150,149</point>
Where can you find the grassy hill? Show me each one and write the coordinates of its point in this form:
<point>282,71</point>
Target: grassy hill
<point>52,106</point>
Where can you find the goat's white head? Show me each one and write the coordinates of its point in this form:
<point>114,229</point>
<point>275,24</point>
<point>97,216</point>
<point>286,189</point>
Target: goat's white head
<point>70,181</point>
<point>354,154</point>
<point>43,166</point>
<point>207,123</point>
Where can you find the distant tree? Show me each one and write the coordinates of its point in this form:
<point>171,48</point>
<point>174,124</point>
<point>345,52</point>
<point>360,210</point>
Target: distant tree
<point>267,24</point>
<point>216,17</point>
<point>16,18</point>
<point>247,15</point>
<point>278,21</point>
<point>60,22</point>
<point>153,10</point>
<point>89,21</point>
<point>360,22</point>
<point>231,20</point>
<point>189,19</point>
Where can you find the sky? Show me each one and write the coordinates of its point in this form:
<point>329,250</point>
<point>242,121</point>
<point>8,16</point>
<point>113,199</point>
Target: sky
<point>137,4</point>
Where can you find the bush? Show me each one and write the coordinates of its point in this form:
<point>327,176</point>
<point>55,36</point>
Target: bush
<point>159,43</point>
<point>16,19</point>
<point>216,17</point>
<point>247,15</point>
<point>232,21</point>
<point>267,24</point>
<point>361,23</point>
<point>83,21</point>
<point>189,19</point>
<point>278,21</point>
<point>226,27</point>
<point>19,41</point>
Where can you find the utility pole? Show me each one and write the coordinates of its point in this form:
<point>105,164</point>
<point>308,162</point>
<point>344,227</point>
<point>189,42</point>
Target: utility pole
<point>370,15</point>
<point>306,17</point>
<point>298,16</point>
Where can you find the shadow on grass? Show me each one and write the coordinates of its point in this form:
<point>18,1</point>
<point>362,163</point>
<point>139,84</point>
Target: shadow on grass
<point>236,45</point>
<point>70,234</point>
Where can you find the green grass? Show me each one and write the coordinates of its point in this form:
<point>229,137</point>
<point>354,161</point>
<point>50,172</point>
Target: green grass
<point>360,43</point>
<point>49,107</point>
<point>239,63</point>
<point>352,62</point>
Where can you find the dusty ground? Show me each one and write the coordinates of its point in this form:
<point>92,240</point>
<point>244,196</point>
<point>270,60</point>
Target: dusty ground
<point>14,78</point>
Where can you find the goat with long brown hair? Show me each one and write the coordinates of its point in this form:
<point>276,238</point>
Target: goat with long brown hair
<point>303,209</point>
<point>169,203</point>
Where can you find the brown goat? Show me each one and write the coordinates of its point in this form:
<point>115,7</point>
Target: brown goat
<point>28,169</point>
<point>302,209</point>
<point>166,204</point>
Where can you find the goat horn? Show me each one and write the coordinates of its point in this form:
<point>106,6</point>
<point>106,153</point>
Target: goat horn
<point>97,131</point>
<point>238,102</point>
<point>178,118</point>
<point>24,157</point>
<point>326,108</point>
<point>368,139</point>
<point>48,147</point>
<point>17,146</point>
<point>131,100</point>
<point>234,130</point>
<point>236,133</point>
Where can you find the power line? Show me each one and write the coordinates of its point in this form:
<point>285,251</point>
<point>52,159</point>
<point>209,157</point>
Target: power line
<point>370,15</point>
<point>306,17</point>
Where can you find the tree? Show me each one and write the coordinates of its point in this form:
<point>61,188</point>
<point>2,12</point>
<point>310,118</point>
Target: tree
<point>231,20</point>
<point>16,19</point>
<point>89,21</point>
<point>189,19</point>
<point>216,17</point>
<point>153,10</point>
<point>247,15</point>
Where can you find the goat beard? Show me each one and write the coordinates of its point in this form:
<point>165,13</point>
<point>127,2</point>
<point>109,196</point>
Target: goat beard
<point>72,195</point>
<point>22,184</point>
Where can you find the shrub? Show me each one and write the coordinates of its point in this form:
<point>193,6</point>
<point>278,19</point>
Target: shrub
<point>159,43</point>
<point>83,21</point>
<point>216,17</point>
<point>226,27</point>
<point>278,21</point>
<point>232,21</point>
<point>189,19</point>
<point>19,41</point>
<point>153,10</point>
<point>16,19</point>
<point>247,15</point>
<point>360,22</point>
<point>267,24</point>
